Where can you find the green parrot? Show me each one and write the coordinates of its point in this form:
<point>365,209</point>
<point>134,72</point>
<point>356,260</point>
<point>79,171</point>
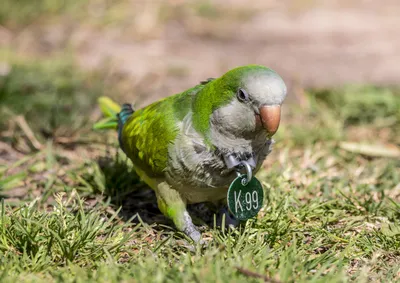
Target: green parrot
<point>186,147</point>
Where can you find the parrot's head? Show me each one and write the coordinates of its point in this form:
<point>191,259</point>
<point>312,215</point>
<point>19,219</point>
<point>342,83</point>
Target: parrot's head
<point>245,101</point>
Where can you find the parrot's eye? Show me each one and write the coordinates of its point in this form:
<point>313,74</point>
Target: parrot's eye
<point>242,95</point>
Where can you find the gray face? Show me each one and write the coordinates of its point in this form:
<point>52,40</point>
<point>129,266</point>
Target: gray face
<point>235,119</point>
<point>264,88</point>
<point>239,117</point>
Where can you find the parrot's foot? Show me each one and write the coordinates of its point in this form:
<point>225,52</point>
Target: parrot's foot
<point>189,228</point>
<point>230,220</point>
<point>193,233</point>
<point>172,205</point>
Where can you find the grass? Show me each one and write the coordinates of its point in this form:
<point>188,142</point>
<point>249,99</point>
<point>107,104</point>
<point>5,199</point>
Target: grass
<point>22,13</point>
<point>53,88</point>
<point>74,211</point>
<point>142,20</point>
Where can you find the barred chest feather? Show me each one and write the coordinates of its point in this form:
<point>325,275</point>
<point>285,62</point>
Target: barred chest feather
<point>200,174</point>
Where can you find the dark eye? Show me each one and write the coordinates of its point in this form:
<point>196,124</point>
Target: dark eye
<point>242,95</point>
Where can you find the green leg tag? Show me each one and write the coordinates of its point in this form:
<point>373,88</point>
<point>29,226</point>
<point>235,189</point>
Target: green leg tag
<point>245,200</point>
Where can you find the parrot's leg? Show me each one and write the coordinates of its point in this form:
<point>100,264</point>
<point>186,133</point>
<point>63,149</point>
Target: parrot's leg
<point>172,205</point>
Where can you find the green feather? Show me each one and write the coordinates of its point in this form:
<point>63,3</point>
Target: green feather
<point>216,94</point>
<point>110,110</point>
<point>148,132</point>
<point>108,107</point>
<point>106,123</point>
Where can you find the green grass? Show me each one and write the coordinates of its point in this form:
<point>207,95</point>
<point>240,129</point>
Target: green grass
<point>24,12</point>
<point>20,14</point>
<point>351,112</point>
<point>331,215</point>
<point>53,96</point>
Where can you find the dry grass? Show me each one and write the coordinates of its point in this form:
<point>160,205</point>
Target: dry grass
<point>73,210</point>
<point>331,215</point>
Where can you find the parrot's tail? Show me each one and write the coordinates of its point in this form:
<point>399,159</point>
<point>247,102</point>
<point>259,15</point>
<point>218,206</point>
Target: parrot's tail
<point>115,116</point>
<point>110,111</point>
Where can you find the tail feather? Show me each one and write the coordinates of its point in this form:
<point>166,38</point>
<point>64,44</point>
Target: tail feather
<point>115,115</point>
<point>108,107</point>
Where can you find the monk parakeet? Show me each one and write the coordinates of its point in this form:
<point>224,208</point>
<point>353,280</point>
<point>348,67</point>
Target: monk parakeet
<point>186,147</point>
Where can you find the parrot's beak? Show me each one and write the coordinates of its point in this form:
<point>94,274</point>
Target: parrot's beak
<point>270,118</point>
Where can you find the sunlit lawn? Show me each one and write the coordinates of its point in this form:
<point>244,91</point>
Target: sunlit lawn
<point>332,213</point>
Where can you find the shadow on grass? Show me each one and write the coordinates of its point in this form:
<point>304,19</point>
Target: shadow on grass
<point>125,189</point>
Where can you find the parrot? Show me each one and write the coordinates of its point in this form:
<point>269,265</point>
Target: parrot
<point>186,146</point>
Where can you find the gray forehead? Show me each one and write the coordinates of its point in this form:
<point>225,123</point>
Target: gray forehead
<point>265,87</point>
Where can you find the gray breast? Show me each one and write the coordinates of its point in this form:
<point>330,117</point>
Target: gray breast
<point>198,173</point>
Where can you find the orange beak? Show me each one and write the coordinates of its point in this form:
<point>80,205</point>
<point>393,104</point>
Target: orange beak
<point>270,118</point>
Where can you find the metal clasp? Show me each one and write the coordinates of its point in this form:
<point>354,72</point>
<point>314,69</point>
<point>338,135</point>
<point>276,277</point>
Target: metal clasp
<point>232,161</point>
<point>249,172</point>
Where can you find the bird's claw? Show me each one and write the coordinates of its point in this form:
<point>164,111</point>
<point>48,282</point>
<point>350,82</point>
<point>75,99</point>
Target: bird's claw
<point>193,233</point>
<point>230,220</point>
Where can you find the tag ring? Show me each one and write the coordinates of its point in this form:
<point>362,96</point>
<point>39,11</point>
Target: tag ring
<point>249,173</point>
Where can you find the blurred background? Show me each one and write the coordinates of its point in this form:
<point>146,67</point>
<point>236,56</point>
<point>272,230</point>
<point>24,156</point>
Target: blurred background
<point>332,182</point>
<point>164,47</point>
<point>339,58</point>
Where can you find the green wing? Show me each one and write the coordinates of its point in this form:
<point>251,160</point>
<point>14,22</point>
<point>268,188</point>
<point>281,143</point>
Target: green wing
<point>149,131</point>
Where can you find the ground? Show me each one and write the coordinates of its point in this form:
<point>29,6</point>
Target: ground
<point>74,211</point>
